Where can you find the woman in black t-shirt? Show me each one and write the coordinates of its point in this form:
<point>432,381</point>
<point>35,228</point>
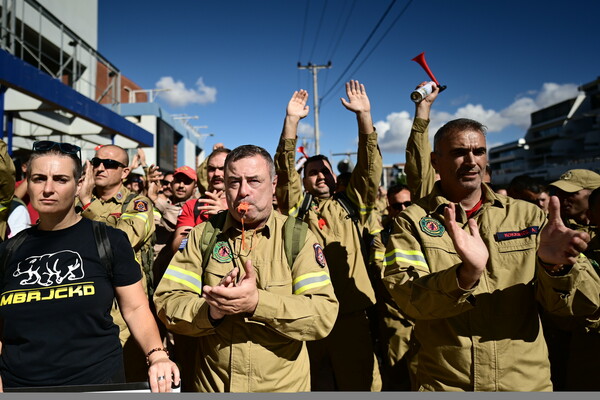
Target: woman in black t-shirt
<point>57,292</point>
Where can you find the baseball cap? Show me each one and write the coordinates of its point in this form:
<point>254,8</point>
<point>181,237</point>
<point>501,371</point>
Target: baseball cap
<point>575,180</point>
<point>187,171</point>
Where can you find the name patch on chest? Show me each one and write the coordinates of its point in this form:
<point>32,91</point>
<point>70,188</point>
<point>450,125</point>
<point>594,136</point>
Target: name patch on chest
<point>532,230</point>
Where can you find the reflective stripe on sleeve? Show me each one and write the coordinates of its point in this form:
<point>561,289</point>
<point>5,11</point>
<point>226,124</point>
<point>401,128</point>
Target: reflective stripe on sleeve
<point>187,278</point>
<point>309,281</point>
<point>141,216</point>
<point>414,257</point>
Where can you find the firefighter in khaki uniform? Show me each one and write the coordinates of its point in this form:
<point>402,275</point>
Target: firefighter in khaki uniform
<point>251,310</point>
<point>345,360</point>
<point>103,196</point>
<point>471,274</point>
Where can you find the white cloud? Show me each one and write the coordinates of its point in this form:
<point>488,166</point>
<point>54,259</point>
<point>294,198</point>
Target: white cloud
<point>180,96</point>
<point>394,131</point>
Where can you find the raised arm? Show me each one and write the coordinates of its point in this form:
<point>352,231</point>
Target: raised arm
<point>364,183</point>
<point>420,175</point>
<point>289,190</point>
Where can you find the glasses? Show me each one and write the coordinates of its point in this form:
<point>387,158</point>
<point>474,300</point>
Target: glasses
<point>66,148</point>
<point>164,182</point>
<point>107,162</point>
<point>400,206</point>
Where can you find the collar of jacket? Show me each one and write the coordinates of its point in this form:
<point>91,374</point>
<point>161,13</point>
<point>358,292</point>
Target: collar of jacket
<point>231,223</point>
<point>435,202</point>
<point>119,197</point>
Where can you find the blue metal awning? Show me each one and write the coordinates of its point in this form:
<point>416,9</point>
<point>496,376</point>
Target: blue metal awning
<point>22,77</point>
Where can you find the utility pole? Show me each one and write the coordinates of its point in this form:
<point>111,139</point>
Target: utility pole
<point>314,69</point>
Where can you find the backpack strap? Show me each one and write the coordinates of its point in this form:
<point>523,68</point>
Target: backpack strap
<point>212,229</point>
<point>347,205</point>
<point>128,199</point>
<point>103,245</point>
<point>294,235</point>
<point>350,208</point>
<point>306,202</point>
<point>196,210</point>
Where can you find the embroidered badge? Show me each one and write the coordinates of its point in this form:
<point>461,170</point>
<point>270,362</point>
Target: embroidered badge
<point>222,252</point>
<point>566,176</point>
<point>140,205</point>
<point>432,226</point>
<point>319,255</point>
<point>119,196</point>
<point>532,230</point>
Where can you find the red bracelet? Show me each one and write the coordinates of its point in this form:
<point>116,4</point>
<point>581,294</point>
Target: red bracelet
<point>153,351</point>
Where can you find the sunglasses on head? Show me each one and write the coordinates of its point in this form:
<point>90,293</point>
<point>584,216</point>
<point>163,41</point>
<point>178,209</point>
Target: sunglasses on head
<point>107,162</point>
<point>400,206</point>
<point>66,148</point>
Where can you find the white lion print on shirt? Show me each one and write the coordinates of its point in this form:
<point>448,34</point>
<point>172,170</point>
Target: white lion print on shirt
<point>50,269</point>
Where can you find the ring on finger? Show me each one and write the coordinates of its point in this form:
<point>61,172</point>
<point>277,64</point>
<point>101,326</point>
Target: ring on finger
<point>160,378</point>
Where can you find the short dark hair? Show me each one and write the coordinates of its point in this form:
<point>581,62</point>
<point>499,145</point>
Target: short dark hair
<point>397,188</point>
<point>317,157</point>
<point>250,150</point>
<point>524,182</point>
<point>455,126</point>
<point>77,167</point>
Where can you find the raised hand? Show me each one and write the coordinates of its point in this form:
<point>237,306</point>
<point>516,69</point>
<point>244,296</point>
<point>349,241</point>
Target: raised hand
<point>559,244</point>
<point>88,184</point>
<point>214,202</point>
<point>470,248</point>
<point>297,106</point>
<point>423,108</point>
<point>358,101</point>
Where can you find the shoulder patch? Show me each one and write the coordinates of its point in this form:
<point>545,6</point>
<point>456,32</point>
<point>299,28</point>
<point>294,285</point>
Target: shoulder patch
<point>432,227</point>
<point>222,252</point>
<point>319,255</point>
<point>119,196</point>
<point>140,205</point>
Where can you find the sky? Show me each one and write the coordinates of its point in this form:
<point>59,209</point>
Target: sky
<point>234,63</point>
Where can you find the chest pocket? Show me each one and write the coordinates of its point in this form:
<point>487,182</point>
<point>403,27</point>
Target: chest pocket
<point>215,271</point>
<point>440,253</point>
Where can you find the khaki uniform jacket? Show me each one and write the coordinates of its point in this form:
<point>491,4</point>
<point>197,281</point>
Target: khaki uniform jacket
<point>263,352</point>
<point>488,338</point>
<point>339,235</point>
<point>137,222</point>
<point>7,187</point>
<point>420,174</point>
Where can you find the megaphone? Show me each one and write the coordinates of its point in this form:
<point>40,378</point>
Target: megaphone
<point>424,91</point>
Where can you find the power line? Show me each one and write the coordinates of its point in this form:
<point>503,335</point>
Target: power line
<point>318,30</point>
<point>340,36</point>
<point>304,29</point>
<point>343,30</point>
<point>361,49</point>
<point>382,37</point>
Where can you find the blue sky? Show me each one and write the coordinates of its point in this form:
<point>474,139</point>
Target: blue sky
<point>233,63</point>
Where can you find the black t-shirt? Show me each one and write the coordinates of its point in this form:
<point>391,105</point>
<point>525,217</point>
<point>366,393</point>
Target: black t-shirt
<point>55,302</point>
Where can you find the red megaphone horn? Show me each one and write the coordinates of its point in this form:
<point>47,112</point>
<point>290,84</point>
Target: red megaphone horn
<point>300,149</point>
<point>420,59</point>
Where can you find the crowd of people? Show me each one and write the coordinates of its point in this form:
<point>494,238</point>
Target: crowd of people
<point>256,273</point>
